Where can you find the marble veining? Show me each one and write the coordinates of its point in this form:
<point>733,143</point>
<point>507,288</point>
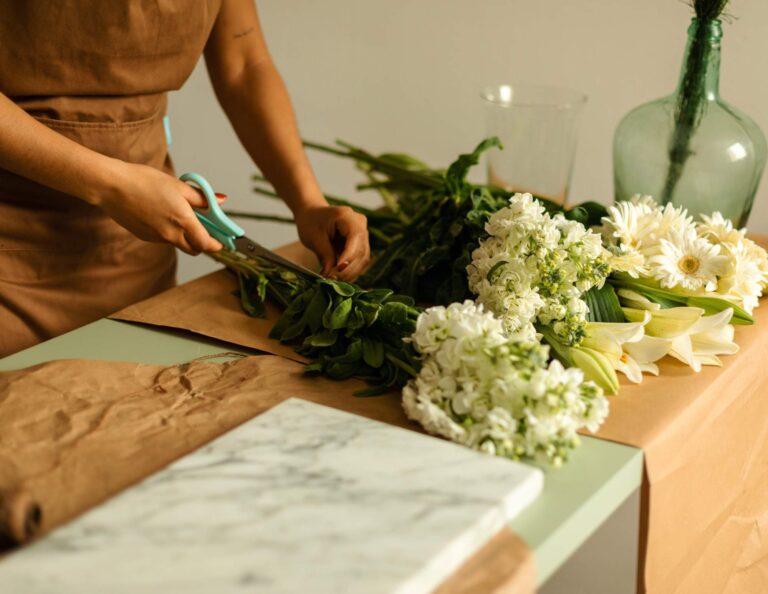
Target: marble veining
<point>302,499</point>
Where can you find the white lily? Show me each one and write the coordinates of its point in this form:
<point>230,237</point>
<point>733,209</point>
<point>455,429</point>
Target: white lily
<point>709,337</point>
<point>627,347</point>
<point>595,366</point>
<point>666,323</point>
<point>630,298</point>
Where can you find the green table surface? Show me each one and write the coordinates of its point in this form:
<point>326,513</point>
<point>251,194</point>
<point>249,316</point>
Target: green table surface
<point>576,500</point>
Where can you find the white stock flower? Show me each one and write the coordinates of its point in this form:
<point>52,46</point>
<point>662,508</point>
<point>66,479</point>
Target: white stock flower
<point>533,268</point>
<point>688,261</point>
<point>495,394</point>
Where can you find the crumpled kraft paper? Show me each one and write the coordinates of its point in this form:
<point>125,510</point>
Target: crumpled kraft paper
<point>75,432</point>
<point>705,501</point>
<point>208,306</point>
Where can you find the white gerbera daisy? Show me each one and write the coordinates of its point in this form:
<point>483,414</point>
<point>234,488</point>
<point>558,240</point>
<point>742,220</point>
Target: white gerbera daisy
<point>628,260</point>
<point>718,229</point>
<point>644,201</point>
<point>688,261</point>
<point>744,279</point>
<point>628,225</point>
<point>673,218</point>
<point>759,255</point>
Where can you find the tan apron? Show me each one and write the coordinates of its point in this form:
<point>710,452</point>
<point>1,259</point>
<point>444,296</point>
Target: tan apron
<point>96,71</point>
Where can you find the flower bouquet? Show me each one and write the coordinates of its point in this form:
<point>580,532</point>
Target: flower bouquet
<point>536,307</point>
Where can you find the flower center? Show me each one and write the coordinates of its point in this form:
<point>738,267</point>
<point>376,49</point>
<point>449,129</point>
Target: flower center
<point>688,264</point>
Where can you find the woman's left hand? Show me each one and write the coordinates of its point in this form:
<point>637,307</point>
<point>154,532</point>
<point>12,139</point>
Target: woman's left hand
<point>325,229</point>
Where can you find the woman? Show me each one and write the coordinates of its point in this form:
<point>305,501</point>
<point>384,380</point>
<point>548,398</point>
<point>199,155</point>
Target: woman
<point>90,210</point>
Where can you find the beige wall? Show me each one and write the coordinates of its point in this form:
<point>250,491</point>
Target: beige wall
<point>405,74</point>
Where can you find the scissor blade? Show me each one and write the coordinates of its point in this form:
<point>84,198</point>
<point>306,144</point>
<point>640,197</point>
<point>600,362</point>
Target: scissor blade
<point>248,247</point>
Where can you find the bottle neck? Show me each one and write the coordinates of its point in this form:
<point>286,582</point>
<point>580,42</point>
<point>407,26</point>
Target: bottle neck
<point>701,62</point>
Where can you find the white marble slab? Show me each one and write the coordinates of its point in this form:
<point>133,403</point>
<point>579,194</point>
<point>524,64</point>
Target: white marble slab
<point>302,499</point>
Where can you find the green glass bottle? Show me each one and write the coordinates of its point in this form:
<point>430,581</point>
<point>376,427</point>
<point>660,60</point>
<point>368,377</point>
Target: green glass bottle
<point>692,148</point>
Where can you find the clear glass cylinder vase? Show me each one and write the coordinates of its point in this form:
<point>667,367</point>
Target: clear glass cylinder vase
<point>691,148</point>
<point>538,126</point>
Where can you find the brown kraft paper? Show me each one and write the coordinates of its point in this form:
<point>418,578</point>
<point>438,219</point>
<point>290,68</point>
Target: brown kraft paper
<point>208,306</point>
<point>75,432</point>
<point>704,519</point>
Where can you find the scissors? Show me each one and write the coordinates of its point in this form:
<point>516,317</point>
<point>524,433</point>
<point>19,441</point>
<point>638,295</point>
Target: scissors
<point>230,234</point>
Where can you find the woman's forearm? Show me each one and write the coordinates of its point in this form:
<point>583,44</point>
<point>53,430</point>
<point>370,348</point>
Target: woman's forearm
<point>253,95</point>
<point>32,150</point>
<point>260,110</point>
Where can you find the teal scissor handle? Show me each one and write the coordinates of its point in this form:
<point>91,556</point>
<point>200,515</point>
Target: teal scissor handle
<point>215,220</point>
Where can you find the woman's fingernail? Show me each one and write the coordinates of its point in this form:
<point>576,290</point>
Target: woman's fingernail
<point>342,265</point>
<point>221,196</point>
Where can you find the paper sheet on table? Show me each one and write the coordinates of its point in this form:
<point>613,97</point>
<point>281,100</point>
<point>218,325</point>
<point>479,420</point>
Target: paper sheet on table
<point>75,432</point>
<point>704,518</point>
<point>210,307</point>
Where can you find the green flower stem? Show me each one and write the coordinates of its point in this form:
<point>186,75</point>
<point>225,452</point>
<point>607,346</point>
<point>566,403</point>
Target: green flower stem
<point>259,217</point>
<point>560,350</point>
<point>389,200</point>
<point>381,165</point>
<point>402,365</point>
<point>380,235</point>
<point>690,104</point>
<point>333,200</point>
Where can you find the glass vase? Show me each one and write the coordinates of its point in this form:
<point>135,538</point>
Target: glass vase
<point>692,148</point>
<point>538,126</point>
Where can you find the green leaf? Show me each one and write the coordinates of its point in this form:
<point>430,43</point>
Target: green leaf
<point>289,317</point>
<point>393,312</point>
<point>340,314</point>
<point>328,312</point>
<point>603,305</point>
<point>587,213</point>
<point>405,161</point>
<point>376,390</point>
<point>316,308</point>
<point>294,330</point>
<point>660,299</point>
<point>669,298</point>
<point>376,295</point>
<point>356,320</point>
<point>490,275</point>
<point>255,309</point>
<point>373,352</point>
<point>342,288</point>
<point>325,338</point>
<point>340,371</point>
<point>712,305</point>
<point>316,367</point>
<point>404,299</point>
<point>457,172</point>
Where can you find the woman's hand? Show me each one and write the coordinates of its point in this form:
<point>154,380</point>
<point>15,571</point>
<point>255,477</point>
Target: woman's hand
<point>157,207</point>
<point>325,229</point>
